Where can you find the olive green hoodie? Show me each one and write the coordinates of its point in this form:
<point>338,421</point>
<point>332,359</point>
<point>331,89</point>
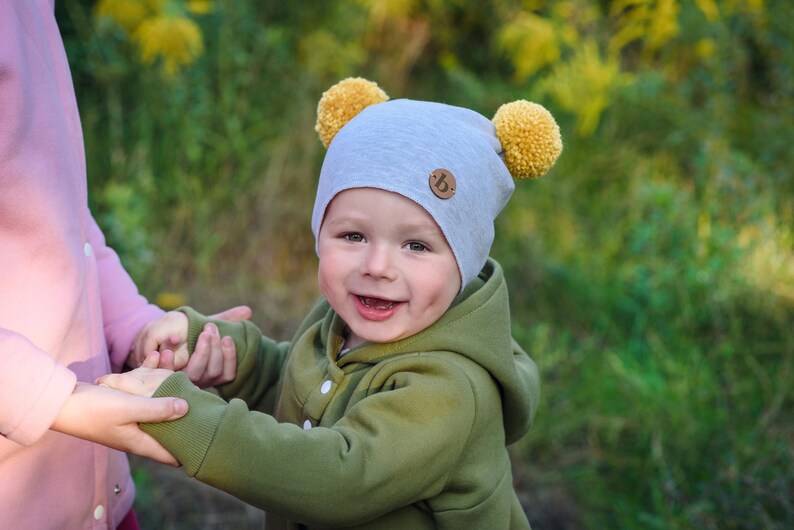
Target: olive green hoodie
<point>408,434</point>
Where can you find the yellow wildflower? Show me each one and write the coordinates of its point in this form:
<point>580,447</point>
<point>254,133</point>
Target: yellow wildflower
<point>653,22</point>
<point>705,48</point>
<point>750,6</point>
<point>174,40</point>
<point>709,8</point>
<point>583,84</point>
<point>663,24</point>
<point>531,42</point>
<point>169,300</point>
<point>382,10</point>
<point>126,13</point>
<point>200,7</point>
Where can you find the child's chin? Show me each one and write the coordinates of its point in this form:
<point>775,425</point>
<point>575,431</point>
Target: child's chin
<point>376,337</point>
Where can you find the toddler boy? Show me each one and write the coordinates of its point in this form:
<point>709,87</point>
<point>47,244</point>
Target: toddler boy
<point>392,405</point>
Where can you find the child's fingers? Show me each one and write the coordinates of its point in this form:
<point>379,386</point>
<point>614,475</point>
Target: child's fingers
<point>197,364</point>
<point>229,359</point>
<point>215,362</point>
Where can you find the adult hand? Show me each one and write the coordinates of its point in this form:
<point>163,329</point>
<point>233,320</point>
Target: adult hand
<point>234,314</point>
<point>110,417</point>
<point>167,332</point>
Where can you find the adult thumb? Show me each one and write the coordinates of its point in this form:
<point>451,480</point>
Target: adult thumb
<point>164,409</point>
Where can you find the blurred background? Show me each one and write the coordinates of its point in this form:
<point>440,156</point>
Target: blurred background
<point>651,271</point>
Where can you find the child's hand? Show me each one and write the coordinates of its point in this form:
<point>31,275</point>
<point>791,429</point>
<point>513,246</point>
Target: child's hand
<point>214,361</point>
<point>169,332</point>
<point>142,381</point>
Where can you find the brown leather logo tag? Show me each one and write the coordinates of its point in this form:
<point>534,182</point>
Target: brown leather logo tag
<point>443,184</point>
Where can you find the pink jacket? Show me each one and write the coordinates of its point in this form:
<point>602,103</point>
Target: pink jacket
<point>68,310</point>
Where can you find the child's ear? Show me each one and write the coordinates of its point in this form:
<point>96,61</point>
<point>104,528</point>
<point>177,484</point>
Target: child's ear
<point>529,136</point>
<point>342,102</point>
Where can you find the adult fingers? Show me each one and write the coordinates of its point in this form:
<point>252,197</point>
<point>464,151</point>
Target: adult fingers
<point>181,357</point>
<point>143,444</point>
<point>144,344</point>
<point>123,382</point>
<point>234,314</point>
<point>156,410</point>
<point>153,360</point>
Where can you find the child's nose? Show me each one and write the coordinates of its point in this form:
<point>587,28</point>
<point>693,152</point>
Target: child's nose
<point>378,262</point>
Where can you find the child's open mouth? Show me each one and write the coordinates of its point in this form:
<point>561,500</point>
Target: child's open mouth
<point>377,309</point>
<point>377,303</point>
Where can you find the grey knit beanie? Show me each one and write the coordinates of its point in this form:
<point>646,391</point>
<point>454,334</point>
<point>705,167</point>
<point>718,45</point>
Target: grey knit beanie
<point>447,159</point>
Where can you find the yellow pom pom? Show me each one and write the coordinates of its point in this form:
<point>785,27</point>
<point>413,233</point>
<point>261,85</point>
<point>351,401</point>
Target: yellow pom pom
<point>529,136</point>
<point>342,102</point>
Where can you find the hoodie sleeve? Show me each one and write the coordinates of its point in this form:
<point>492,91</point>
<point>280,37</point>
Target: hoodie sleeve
<point>259,360</point>
<point>393,448</point>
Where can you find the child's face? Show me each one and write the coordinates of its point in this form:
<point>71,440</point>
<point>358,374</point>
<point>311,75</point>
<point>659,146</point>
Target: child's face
<point>385,266</point>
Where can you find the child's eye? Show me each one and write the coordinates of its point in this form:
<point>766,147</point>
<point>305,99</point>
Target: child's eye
<point>416,246</point>
<point>355,237</point>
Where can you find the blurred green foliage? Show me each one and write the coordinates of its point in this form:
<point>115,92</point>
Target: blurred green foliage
<point>652,270</point>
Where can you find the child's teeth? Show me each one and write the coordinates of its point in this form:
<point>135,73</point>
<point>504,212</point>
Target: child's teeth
<point>376,303</point>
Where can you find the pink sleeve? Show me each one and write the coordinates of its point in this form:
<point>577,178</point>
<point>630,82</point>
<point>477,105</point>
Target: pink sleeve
<point>35,383</point>
<point>124,310</point>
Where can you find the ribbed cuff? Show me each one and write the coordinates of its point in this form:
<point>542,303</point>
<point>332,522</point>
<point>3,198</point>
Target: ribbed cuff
<point>195,325</point>
<point>188,439</point>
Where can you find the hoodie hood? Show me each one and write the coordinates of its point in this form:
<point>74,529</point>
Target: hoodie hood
<point>477,326</point>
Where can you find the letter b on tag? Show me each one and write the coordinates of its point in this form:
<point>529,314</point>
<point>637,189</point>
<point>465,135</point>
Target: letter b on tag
<point>442,183</point>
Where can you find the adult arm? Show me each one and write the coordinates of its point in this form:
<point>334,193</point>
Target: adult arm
<point>124,310</point>
<point>50,326</point>
<point>47,396</point>
<point>34,383</point>
<point>110,417</point>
